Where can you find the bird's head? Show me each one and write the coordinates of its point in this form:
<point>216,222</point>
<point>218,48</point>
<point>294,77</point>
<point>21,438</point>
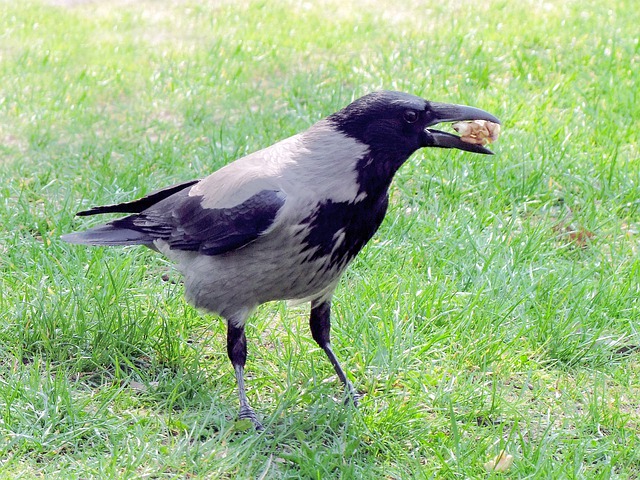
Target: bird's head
<point>394,125</point>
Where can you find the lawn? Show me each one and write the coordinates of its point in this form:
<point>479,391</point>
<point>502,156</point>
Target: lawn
<point>496,310</point>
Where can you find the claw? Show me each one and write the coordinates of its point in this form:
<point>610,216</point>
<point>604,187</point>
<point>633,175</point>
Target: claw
<point>247,413</point>
<point>352,397</point>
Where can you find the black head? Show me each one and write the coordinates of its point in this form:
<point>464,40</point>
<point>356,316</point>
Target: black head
<point>396,124</point>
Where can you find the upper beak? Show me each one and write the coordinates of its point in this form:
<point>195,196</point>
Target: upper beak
<point>443,112</point>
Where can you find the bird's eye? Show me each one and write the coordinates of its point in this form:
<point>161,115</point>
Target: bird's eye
<point>410,116</point>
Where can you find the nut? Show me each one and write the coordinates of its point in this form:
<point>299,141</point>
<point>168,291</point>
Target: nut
<point>478,132</point>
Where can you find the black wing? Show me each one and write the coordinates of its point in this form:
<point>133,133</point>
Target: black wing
<point>140,204</point>
<point>185,224</point>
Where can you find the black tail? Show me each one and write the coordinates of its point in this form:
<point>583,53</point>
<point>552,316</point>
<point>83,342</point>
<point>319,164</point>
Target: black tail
<point>123,231</point>
<point>109,234</point>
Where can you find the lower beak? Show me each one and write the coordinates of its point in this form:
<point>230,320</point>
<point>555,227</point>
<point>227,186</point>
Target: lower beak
<point>443,112</point>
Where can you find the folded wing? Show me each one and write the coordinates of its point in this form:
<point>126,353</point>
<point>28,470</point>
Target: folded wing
<point>184,223</point>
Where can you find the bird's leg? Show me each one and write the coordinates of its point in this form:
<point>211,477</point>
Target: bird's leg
<point>321,331</point>
<point>237,351</point>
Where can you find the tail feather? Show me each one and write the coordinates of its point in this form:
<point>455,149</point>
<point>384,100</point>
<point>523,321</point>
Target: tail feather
<point>109,234</point>
<point>123,231</point>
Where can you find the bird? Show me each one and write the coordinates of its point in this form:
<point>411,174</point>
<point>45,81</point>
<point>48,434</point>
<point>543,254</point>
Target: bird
<point>284,222</point>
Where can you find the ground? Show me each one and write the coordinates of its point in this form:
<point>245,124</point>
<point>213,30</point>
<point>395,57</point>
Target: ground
<point>495,311</point>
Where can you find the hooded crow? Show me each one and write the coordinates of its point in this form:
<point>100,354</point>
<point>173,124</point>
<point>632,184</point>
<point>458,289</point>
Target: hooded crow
<point>284,223</point>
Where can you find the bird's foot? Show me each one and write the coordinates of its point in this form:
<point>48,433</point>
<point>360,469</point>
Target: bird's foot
<point>247,413</point>
<point>352,397</point>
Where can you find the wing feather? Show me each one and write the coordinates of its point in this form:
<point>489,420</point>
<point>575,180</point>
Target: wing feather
<point>188,225</point>
<point>140,204</point>
<point>185,224</point>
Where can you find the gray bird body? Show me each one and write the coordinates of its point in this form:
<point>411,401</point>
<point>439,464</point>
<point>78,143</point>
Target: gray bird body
<point>278,264</point>
<point>305,171</point>
<point>283,223</point>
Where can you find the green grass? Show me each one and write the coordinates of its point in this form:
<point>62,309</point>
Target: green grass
<point>496,309</point>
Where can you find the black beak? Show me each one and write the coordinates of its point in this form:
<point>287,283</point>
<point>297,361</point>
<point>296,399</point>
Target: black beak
<point>442,112</point>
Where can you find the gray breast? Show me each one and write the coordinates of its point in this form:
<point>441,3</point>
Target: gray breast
<point>274,267</point>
